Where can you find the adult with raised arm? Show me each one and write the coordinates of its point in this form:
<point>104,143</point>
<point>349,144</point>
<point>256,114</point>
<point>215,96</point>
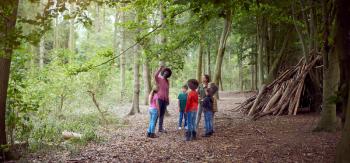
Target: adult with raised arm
<point>161,77</point>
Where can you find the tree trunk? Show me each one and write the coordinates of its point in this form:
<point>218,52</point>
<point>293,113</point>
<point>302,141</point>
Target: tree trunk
<point>222,46</point>
<point>122,57</point>
<point>261,30</point>
<point>7,33</point>
<point>313,45</point>
<point>136,95</point>
<point>71,39</point>
<point>276,63</point>
<point>240,65</point>
<point>115,35</point>
<point>328,121</point>
<point>208,60</point>
<point>146,80</point>
<point>342,48</point>
<point>41,52</point>
<point>98,19</point>
<point>200,59</point>
<point>56,34</point>
<point>300,35</point>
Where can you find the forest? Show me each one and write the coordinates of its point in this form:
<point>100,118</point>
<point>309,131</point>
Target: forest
<point>75,79</point>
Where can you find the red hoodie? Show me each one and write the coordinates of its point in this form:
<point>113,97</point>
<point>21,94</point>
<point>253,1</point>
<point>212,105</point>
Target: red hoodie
<point>192,101</point>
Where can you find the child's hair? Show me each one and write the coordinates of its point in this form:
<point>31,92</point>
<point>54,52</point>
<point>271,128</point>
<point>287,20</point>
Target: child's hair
<point>154,91</point>
<point>193,84</point>
<point>212,89</point>
<point>206,76</point>
<point>185,87</point>
<point>168,74</point>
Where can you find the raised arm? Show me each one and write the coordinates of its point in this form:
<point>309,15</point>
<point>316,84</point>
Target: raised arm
<point>156,75</point>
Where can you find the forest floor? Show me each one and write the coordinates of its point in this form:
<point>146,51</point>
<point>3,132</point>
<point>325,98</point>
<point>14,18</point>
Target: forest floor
<point>236,139</point>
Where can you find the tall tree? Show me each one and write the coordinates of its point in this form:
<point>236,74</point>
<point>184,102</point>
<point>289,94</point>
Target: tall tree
<point>261,43</point>
<point>200,58</point>
<point>41,52</point>
<point>328,121</point>
<point>136,94</point>
<point>71,38</point>
<point>222,45</point>
<point>146,79</point>
<point>342,48</point>
<point>7,45</point>
<point>208,59</point>
<point>122,59</point>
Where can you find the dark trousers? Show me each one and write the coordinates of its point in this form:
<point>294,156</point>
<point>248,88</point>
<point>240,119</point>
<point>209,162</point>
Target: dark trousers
<point>162,108</point>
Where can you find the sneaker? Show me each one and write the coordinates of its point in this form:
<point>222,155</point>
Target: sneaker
<point>163,131</point>
<point>179,128</point>
<point>206,135</point>
<point>153,135</point>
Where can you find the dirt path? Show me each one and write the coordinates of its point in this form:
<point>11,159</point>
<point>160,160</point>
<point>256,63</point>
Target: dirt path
<point>237,139</point>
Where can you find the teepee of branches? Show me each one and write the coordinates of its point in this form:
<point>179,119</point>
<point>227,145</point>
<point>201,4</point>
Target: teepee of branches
<point>283,95</point>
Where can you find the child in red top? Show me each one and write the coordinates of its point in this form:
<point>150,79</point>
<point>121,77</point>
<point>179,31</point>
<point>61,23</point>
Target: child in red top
<point>191,109</point>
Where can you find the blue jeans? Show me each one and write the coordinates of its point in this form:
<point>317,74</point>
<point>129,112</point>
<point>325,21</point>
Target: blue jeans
<point>208,121</point>
<point>152,120</point>
<point>191,121</point>
<point>182,115</point>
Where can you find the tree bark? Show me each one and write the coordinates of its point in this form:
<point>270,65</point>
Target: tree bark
<point>122,57</point>
<point>208,60</point>
<point>71,39</point>
<point>200,59</point>
<point>115,35</point>
<point>7,33</point>
<point>276,63</point>
<point>261,32</point>
<point>342,48</point>
<point>300,35</point>
<point>328,120</point>
<point>41,52</point>
<point>56,42</point>
<point>222,45</point>
<point>98,19</point>
<point>240,65</point>
<point>136,95</point>
<point>146,80</point>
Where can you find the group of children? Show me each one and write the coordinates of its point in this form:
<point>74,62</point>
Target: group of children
<point>191,103</point>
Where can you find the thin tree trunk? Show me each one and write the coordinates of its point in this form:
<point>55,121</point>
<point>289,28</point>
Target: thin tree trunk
<point>115,34</point>
<point>300,35</point>
<point>71,39</point>
<point>122,57</point>
<point>98,19</point>
<point>200,59</point>
<point>261,29</point>
<point>7,31</point>
<point>41,52</point>
<point>342,48</point>
<point>276,63</point>
<point>240,65</point>
<point>240,72</point>
<point>56,33</point>
<point>313,45</point>
<point>208,60</point>
<point>222,46</point>
<point>221,85</point>
<point>146,80</point>
<point>136,95</point>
